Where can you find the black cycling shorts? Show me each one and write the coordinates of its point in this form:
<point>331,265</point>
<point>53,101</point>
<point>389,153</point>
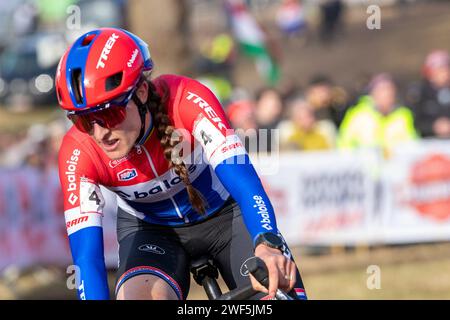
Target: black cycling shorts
<point>166,251</point>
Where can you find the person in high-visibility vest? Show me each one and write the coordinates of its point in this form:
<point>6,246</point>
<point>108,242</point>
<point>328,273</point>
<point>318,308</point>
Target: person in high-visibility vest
<point>377,120</point>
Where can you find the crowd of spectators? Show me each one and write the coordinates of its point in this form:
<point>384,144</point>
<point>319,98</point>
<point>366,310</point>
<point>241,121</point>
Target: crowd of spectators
<point>36,147</point>
<point>321,116</point>
<point>324,115</point>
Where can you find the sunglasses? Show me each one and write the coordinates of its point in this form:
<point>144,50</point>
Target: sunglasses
<point>107,115</point>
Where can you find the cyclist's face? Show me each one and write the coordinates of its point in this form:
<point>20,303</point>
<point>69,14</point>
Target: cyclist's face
<point>117,142</point>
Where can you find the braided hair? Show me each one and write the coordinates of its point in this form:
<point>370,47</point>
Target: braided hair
<point>157,105</point>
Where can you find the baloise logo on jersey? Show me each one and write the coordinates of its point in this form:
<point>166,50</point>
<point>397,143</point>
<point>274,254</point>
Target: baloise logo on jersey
<point>161,185</point>
<point>71,178</point>
<point>262,210</point>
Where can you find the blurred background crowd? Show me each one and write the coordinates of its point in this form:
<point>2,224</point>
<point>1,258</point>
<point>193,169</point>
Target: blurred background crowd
<point>251,58</point>
<point>312,71</point>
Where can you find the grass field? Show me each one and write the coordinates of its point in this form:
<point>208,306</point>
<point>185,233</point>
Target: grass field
<point>416,280</point>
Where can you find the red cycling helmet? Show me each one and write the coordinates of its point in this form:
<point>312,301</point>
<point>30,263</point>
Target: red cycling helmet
<point>100,66</point>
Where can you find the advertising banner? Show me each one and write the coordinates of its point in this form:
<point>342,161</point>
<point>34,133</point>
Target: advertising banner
<point>324,197</point>
<point>417,188</point>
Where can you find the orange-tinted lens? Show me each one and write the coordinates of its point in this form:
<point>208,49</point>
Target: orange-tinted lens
<point>107,118</point>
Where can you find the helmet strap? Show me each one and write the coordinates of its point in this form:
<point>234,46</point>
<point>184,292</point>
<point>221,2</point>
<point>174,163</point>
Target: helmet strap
<point>143,109</point>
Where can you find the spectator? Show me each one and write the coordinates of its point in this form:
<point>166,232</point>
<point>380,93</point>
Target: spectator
<point>329,103</point>
<point>241,114</point>
<point>217,56</point>
<point>328,100</point>
<point>377,120</point>
<point>331,12</point>
<point>269,108</point>
<point>301,131</point>
<point>268,114</point>
<point>430,100</point>
<point>291,18</point>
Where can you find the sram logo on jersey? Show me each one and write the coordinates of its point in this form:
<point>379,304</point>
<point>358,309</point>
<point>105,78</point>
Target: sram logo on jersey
<point>231,147</point>
<point>70,174</point>
<point>76,221</point>
<point>165,184</point>
<point>106,50</point>
<point>127,174</point>
<point>262,210</point>
<point>208,109</point>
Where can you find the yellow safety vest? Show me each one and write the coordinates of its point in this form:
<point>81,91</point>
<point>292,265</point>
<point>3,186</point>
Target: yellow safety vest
<point>365,126</point>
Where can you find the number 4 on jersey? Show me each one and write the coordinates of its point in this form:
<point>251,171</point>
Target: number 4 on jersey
<point>94,197</point>
<point>205,137</point>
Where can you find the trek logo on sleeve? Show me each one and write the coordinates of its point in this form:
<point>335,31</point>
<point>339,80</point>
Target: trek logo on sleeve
<point>207,108</point>
<point>127,174</point>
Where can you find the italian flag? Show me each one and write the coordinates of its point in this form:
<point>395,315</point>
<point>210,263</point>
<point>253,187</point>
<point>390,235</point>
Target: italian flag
<point>252,40</point>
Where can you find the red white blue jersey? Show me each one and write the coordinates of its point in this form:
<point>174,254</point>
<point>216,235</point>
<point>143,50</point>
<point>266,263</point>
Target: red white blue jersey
<point>148,189</point>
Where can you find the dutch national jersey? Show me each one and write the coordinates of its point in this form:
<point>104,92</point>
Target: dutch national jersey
<point>147,188</point>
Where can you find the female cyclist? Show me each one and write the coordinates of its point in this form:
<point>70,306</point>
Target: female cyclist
<point>185,185</point>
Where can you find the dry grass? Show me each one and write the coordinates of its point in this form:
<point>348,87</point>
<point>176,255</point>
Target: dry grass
<point>417,280</point>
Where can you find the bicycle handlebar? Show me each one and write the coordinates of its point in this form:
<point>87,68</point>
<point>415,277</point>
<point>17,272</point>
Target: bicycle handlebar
<point>258,269</point>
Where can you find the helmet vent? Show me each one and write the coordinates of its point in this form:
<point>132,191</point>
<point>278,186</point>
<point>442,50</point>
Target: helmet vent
<point>112,82</point>
<point>87,40</point>
<point>77,85</point>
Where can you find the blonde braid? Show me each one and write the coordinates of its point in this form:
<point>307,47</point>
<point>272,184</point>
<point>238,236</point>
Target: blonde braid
<point>164,131</point>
